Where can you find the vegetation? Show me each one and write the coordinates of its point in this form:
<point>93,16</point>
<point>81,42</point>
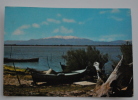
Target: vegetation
<point>9,72</point>
<point>10,68</point>
<point>79,59</point>
<point>126,50</point>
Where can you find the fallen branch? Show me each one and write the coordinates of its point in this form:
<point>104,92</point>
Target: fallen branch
<point>121,77</point>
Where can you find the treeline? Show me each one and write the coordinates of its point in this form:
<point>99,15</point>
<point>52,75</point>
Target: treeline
<point>57,45</point>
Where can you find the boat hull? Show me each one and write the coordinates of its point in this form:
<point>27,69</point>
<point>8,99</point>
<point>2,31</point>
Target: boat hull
<point>21,60</point>
<point>59,78</point>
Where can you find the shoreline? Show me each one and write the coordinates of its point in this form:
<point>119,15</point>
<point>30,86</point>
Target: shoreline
<point>13,88</point>
<point>69,45</point>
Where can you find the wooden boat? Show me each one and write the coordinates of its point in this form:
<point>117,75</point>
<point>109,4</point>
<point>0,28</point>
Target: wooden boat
<point>21,60</point>
<point>59,77</point>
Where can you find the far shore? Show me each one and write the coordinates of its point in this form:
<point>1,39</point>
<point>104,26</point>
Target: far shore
<point>58,45</point>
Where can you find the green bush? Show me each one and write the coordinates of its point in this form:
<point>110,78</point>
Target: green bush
<point>126,50</point>
<point>79,59</point>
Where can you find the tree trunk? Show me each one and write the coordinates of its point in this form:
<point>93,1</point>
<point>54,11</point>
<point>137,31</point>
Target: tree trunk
<point>121,77</point>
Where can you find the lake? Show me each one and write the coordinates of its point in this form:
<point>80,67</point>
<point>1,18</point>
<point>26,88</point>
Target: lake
<point>50,56</point>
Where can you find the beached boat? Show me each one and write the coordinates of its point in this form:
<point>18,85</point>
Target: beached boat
<point>59,77</point>
<point>21,60</point>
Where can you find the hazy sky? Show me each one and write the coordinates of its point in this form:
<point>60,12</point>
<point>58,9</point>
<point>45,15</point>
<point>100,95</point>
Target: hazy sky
<point>24,23</point>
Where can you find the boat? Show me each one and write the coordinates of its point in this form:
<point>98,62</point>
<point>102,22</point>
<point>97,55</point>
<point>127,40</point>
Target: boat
<point>59,77</point>
<point>21,60</point>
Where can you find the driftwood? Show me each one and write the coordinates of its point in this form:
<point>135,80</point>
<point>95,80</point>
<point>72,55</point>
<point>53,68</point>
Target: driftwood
<point>50,71</point>
<point>118,84</point>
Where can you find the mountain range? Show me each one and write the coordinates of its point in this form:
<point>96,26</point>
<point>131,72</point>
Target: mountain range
<point>63,40</point>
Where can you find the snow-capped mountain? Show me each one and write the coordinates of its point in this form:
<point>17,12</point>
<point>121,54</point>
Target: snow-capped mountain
<point>63,37</point>
<point>63,40</point>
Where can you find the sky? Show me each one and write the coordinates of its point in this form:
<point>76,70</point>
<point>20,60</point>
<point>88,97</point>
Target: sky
<point>97,24</point>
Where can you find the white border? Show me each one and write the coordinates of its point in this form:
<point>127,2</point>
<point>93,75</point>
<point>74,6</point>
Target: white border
<point>133,4</point>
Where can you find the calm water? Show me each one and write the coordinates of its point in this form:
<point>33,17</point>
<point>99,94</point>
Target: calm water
<point>50,56</point>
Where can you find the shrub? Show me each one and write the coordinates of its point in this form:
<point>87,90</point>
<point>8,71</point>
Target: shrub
<point>126,50</point>
<point>79,59</point>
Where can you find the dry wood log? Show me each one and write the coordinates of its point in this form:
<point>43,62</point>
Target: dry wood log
<point>121,77</point>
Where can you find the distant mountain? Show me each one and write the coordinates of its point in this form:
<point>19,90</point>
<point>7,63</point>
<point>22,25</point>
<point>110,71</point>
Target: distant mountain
<point>63,40</point>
